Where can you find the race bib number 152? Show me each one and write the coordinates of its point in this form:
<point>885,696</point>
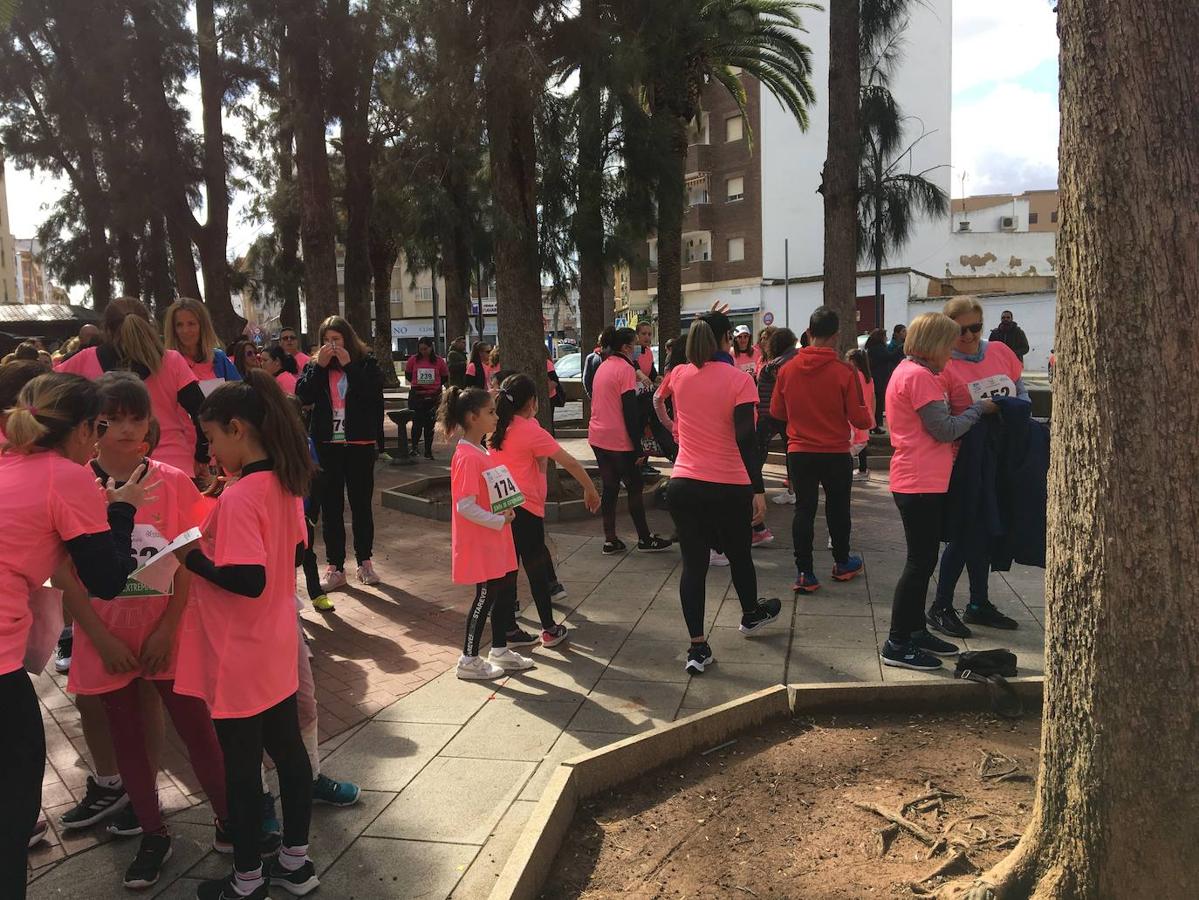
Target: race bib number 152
<point>991,388</point>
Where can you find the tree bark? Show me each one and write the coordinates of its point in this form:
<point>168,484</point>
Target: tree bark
<point>384,251</point>
<point>840,187</point>
<point>127,262</point>
<point>589,214</point>
<point>1117,808</point>
<point>455,270</point>
<point>158,267</point>
<point>671,201</point>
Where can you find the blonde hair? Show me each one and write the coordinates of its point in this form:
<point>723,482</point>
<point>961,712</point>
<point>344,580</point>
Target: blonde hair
<point>493,359</point>
<point>701,343</point>
<point>128,329</point>
<point>959,306</point>
<point>48,408</point>
<point>208,338</point>
<point>931,336</point>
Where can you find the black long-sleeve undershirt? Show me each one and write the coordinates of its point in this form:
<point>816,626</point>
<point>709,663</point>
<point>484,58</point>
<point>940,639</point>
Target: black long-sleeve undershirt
<point>246,580</point>
<point>103,561</point>
<point>632,418</point>
<point>191,398</point>
<point>745,429</point>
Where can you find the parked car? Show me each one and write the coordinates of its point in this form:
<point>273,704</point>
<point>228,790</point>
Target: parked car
<point>570,375</point>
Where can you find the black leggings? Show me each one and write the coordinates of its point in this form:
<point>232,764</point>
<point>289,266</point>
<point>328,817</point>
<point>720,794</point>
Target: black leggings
<point>497,597</point>
<point>23,749</point>
<point>276,730</point>
<point>528,533</point>
<point>922,518</point>
<point>709,516</point>
<point>615,467</point>
<point>810,471</point>
<point>347,469</point>
<point>423,412</point>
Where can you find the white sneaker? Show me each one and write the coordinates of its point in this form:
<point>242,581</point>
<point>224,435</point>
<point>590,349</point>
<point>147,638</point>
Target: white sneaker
<point>859,475</point>
<point>783,499</point>
<point>332,579</point>
<point>830,542</point>
<point>475,668</point>
<point>717,559</point>
<point>366,573</point>
<point>509,660</point>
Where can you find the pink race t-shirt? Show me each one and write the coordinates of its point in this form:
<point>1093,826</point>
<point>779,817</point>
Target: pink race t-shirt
<point>748,362</point>
<point>921,464</point>
<point>995,375</point>
<point>239,653</point>
<point>478,553</point>
<point>613,379</point>
<point>48,500</point>
<point>704,400</point>
<point>133,614</point>
<point>861,435</point>
<point>426,377</point>
<point>526,447</point>
<point>645,360</point>
<point>302,360</point>
<point>287,382</point>
<point>204,371</point>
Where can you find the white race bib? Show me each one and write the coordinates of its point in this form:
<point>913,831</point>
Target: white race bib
<point>502,490</point>
<point>426,376</point>
<point>146,540</point>
<point>339,426</point>
<point>992,388</point>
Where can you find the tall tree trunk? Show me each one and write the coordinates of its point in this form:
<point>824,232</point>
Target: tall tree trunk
<point>127,263</point>
<point>671,201</point>
<point>1117,808</point>
<point>158,267</point>
<point>589,213</point>
<point>384,251</point>
<point>511,81</point>
<point>183,260</point>
<point>300,53</point>
<point>840,187</point>
<point>287,216</point>
<point>455,270</point>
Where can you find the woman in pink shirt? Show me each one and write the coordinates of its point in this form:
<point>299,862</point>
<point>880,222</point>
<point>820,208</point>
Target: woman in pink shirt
<point>427,374</point>
<point>290,341</point>
<point>52,511</point>
<point>187,328</point>
<point>281,366</point>
<point>746,355</point>
<point>521,444</point>
<point>478,370</point>
<point>715,491</point>
<point>614,434</point>
<point>922,433</point>
<point>484,496</point>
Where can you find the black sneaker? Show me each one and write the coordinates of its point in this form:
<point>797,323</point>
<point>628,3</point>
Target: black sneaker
<point>930,643</point>
<point>947,622</point>
<point>988,616</point>
<point>124,824</point>
<point>297,883</point>
<point>557,592</point>
<point>223,889</point>
<point>653,544</point>
<point>699,656</point>
<point>152,855</point>
<point>908,656</point>
<point>616,546</point>
<point>62,653</point>
<point>521,638</point>
<point>99,802</point>
<point>767,612</point>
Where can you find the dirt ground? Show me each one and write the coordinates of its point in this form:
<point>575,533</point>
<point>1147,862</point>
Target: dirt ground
<point>774,815</point>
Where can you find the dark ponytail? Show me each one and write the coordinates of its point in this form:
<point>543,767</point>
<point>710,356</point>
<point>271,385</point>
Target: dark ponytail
<point>260,403</point>
<point>614,338</point>
<point>515,393</point>
<point>456,404</point>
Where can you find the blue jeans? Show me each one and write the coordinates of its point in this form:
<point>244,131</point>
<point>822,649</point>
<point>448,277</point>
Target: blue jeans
<point>953,560</point>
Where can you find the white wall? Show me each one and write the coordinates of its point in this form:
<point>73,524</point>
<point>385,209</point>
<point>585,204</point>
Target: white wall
<point>988,218</point>
<point>1033,312</point>
<point>995,253</point>
<point>792,160</point>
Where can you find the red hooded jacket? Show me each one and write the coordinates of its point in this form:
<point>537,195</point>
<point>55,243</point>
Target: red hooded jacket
<point>819,397</point>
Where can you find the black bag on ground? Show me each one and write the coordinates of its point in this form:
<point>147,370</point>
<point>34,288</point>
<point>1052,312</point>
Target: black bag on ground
<point>993,668</point>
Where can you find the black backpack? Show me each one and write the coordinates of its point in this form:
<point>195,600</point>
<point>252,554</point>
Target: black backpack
<point>992,668</point>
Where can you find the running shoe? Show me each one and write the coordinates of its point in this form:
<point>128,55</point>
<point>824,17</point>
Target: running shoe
<point>222,840</point>
<point>717,559</point>
<point>40,828</point>
<point>333,792</point>
<point>649,471</point>
<point>861,475</point>
<point>762,538</point>
<point>522,638</point>
<point>653,544</point>
<point>908,656</point>
<point>616,546</point>
<point>476,668</point>
<point>296,882</point>
<point>698,658</point>
<point>783,498</point>
<point>557,591</point>
<point>99,802</point>
<point>806,583</point>
<point>767,611</point>
<point>849,570</point>
<point>554,636</point>
<point>223,889</point>
<point>322,603</point>
<point>367,574</point>
<point>146,867</point>
<point>508,660</point>
<point>946,621</point>
<point>124,824</point>
<point>930,643</point>
<point>988,616</point>
<point>332,579</point>
<point>62,653</point>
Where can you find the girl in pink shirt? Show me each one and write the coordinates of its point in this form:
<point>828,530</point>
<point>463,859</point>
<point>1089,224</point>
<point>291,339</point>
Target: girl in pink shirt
<point>485,496</point>
<point>746,355</point>
<point>238,649</point>
<point>521,444</point>
<point>427,374</point>
<point>859,437</point>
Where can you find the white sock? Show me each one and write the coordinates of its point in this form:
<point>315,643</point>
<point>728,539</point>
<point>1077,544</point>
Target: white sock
<point>291,858</point>
<point>246,883</point>
<point>108,781</point>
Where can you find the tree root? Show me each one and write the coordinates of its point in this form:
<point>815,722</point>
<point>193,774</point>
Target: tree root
<point>884,838</point>
<point>958,864</point>
<point>911,827</point>
<point>996,765</point>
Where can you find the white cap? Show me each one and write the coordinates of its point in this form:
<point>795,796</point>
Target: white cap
<point>740,330</point>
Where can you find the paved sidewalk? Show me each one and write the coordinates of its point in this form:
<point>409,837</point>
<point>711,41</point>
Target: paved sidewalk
<point>451,771</point>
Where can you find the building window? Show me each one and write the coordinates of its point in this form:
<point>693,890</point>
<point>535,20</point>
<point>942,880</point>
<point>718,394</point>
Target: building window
<point>734,128</point>
<point>697,131</point>
<point>736,249</point>
<point>735,188</point>
<point>424,294</point>
<point>1032,218</point>
<point>1053,217</point>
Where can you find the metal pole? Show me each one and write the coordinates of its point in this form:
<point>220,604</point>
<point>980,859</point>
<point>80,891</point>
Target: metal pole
<point>787,282</point>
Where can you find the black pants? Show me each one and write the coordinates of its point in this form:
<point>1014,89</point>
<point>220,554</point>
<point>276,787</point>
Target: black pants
<point>424,411</point>
<point>768,427</point>
<point>276,730</point>
<point>809,472</point>
<point>709,516</point>
<point>497,598</point>
<point>528,533</point>
<point>880,401</point>
<point>347,469</point>
<point>863,466</point>
<point>922,519</point>
<point>617,467</point>
<point>23,749</point>
<point>975,560</point>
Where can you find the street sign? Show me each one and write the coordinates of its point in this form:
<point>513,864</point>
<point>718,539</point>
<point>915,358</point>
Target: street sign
<point>768,318</point>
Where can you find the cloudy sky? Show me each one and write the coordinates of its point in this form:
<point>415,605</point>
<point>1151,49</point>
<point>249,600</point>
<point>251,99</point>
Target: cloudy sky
<point>1005,114</point>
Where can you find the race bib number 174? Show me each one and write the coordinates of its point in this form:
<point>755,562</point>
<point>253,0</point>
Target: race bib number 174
<point>502,490</point>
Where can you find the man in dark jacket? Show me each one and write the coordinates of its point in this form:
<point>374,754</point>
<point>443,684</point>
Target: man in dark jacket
<point>1011,334</point>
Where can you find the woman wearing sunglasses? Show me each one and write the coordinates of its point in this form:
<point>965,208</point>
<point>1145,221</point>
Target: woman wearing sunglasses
<point>977,370</point>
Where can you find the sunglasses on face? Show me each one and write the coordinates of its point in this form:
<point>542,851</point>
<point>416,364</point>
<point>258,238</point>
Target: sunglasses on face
<point>287,337</point>
<point>972,329</point>
<point>101,427</point>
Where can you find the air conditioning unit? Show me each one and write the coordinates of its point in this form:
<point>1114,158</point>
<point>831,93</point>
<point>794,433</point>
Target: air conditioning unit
<point>963,225</point>
<point>1008,223</point>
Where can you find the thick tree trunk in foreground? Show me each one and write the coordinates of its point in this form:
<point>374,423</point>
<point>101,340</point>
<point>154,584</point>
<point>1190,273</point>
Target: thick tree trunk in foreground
<point>671,202</point>
<point>840,186</point>
<point>1117,810</point>
<point>589,212</point>
<point>384,250</point>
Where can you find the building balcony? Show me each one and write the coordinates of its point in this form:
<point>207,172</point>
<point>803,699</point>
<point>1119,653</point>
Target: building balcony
<point>698,217</point>
<point>698,272</point>
<point>699,158</point>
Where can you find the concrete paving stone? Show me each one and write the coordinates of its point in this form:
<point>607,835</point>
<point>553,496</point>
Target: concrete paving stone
<point>767,646</point>
<point>668,625</point>
<point>453,801</point>
<point>892,675</point>
<point>595,640</point>
<point>625,608</point>
<point>485,871</point>
<point>641,660</point>
<point>815,664</point>
<point>446,700</point>
<point>384,756</point>
<point>570,744</point>
<point>827,602</point>
<point>852,632</point>
<point>336,828</point>
<point>375,868</point>
<point>727,681</point>
<point>183,889</point>
<point>629,707</point>
<point>513,729</point>
<point>560,674</point>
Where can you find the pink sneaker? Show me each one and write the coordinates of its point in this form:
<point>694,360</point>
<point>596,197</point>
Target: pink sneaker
<point>762,538</point>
